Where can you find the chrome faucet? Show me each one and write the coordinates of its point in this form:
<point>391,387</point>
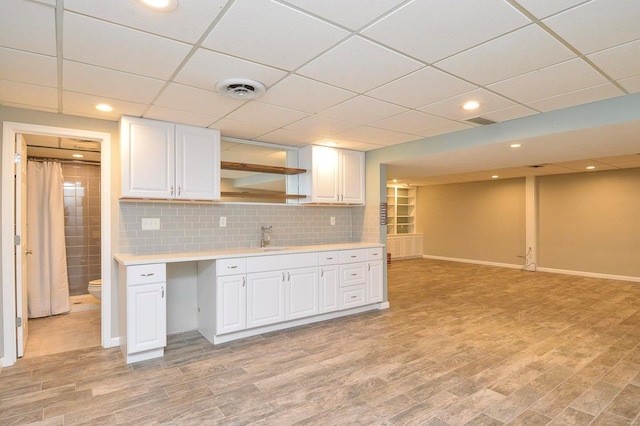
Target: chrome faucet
<point>265,237</point>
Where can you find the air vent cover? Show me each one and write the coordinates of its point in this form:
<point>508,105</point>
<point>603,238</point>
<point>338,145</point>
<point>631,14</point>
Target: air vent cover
<point>480,120</point>
<point>240,88</point>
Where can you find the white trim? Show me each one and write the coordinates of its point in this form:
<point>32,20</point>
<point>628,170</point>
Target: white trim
<point>383,305</point>
<point>478,262</point>
<point>590,274</point>
<point>9,131</point>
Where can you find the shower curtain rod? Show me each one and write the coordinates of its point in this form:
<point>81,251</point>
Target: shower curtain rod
<point>59,160</point>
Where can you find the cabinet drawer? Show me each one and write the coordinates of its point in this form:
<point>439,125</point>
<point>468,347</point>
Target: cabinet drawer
<point>352,256</point>
<point>352,274</point>
<point>144,274</point>
<point>231,266</point>
<point>353,296</point>
<point>374,253</point>
<point>329,258</point>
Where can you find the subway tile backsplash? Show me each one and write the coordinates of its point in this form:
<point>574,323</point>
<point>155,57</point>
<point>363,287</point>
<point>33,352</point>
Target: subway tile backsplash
<point>195,227</point>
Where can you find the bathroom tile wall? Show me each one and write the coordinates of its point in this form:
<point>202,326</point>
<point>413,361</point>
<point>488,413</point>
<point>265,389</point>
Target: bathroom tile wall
<point>194,227</point>
<point>82,224</point>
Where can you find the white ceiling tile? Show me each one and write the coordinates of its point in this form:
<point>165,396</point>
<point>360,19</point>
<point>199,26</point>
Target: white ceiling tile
<point>619,62</point>
<point>362,146</point>
<point>252,29</point>
<point>551,81</point>
<point>30,107</point>
<point>30,68</point>
<point>205,68</point>
<point>425,29</point>
<point>409,121</point>
<point>422,87</point>
<point>287,137</point>
<point>598,25</point>
<point>95,42</point>
<point>362,110</point>
<point>26,25</point>
<point>527,49</point>
<point>591,94</point>
<point>267,115</point>
<point>340,143</point>
<point>352,14</point>
<point>187,23</point>
<point>187,98</point>
<point>452,108</point>
<point>85,106</point>
<point>544,8</point>
<point>631,84</point>
<point>47,2</point>
<point>241,129</point>
<point>398,138</point>
<point>178,116</point>
<point>320,126</point>
<point>451,126</point>
<point>306,95</point>
<point>363,65</point>
<point>510,113</point>
<point>366,134</point>
<point>99,81</point>
<point>28,95</point>
<point>622,161</point>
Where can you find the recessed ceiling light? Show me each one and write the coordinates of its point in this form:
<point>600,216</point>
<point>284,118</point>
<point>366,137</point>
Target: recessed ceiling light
<point>104,107</point>
<point>515,145</point>
<point>160,5</point>
<point>590,167</point>
<point>495,177</point>
<point>77,156</point>
<point>471,105</point>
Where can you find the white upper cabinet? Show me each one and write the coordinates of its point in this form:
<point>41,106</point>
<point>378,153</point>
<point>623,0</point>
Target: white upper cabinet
<point>334,176</point>
<point>169,161</point>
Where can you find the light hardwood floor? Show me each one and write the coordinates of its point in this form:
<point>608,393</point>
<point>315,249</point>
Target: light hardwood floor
<point>461,344</point>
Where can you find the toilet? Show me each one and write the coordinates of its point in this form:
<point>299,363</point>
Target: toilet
<point>95,288</point>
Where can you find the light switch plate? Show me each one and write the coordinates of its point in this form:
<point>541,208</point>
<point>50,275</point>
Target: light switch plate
<point>150,223</point>
<point>223,222</point>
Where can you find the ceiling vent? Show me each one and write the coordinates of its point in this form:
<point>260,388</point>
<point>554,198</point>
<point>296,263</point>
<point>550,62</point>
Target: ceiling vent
<point>481,121</point>
<point>537,166</point>
<point>240,88</point>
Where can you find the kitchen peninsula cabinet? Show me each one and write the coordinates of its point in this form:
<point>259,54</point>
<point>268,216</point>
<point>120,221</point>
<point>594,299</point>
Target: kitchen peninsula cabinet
<point>334,176</point>
<point>163,160</point>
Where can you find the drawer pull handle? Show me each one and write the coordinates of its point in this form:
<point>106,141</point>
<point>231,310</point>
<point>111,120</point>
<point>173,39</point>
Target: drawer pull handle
<point>374,254</point>
<point>329,258</point>
<point>232,267</point>
<point>243,281</point>
<point>150,274</point>
<point>163,292</point>
<point>321,272</point>
<point>354,275</point>
<point>353,297</point>
<point>353,256</point>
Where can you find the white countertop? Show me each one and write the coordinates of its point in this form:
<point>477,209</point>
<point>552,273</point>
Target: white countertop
<point>190,256</point>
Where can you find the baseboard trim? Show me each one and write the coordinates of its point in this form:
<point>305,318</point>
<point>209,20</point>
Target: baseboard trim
<point>477,262</point>
<point>590,274</point>
<point>384,305</point>
<point>115,341</point>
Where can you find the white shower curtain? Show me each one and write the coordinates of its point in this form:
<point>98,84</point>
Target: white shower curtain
<point>47,277</point>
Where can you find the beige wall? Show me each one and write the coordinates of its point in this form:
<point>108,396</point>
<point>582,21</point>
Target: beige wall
<point>482,221</point>
<point>590,222</point>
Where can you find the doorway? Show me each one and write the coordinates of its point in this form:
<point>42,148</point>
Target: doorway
<point>12,327</point>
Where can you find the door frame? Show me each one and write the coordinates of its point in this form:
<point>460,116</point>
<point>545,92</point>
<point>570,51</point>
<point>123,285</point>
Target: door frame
<point>9,131</point>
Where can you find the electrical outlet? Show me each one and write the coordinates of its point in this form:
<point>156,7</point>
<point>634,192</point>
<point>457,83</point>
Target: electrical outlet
<point>150,223</point>
<point>223,222</point>
<point>333,220</point>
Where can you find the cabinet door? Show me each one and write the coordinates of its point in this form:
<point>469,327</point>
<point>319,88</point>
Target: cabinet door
<point>352,177</point>
<point>417,245</point>
<point>329,285</point>
<point>325,174</point>
<point>407,246</point>
<point>197,163</point>
<point>147,158</point>
<point>395,247</point>
<point>265,298</point>
<point>374,281</point>
<point>146,317</point>
<point>301,293</point>
<point>231,303</point>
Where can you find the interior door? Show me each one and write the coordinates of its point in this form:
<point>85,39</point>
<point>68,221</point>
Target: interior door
<point>21,250</point>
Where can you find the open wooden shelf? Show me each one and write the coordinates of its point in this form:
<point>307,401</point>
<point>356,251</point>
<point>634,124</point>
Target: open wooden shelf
<point>260,168</point>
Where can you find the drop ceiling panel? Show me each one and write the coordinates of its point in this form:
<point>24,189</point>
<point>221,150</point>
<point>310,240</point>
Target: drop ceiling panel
<point>527,49</point>
<point>551,81</point>
<point>178,116</point>
<point>622,161</point>
<point>363,65</point>
<point>352,14</point>
<point>30,68</point>
<point>26,25</point>
<point>28,95</point>
<point>362,110</point>
<point>187,23</point>
<point>366,134</point>
<point>451,126</point>
<point>99,81</point>
<point>578,97</point>
<point>205,68</point>
<point>252,28</point>
<point>267,115</point>
<point>452,108</point>
<point>304,94</point>
<point>424,28</point>
<point>422,87</point>
<point>397,138</point>
<point>112,46</point>
<point>544,8</point>
<point>598,25</point>
<point>320,126</point>
<point>241,129</point>
<point>619,62</point>
<point>510,113</point>
<point>85,106</point>
<point>581,165</point>
<point>192,99</point>
<point>631,84</point>
<point>409,122</point>
<point>288,137</point>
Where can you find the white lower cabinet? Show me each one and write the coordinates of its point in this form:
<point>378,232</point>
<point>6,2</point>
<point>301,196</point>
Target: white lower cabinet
<point>404,246</point>
<point>375,277</point>
<point>301,293</point>
<point>265,298</point>
<point>231,306</point>
<point>329,285</point>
